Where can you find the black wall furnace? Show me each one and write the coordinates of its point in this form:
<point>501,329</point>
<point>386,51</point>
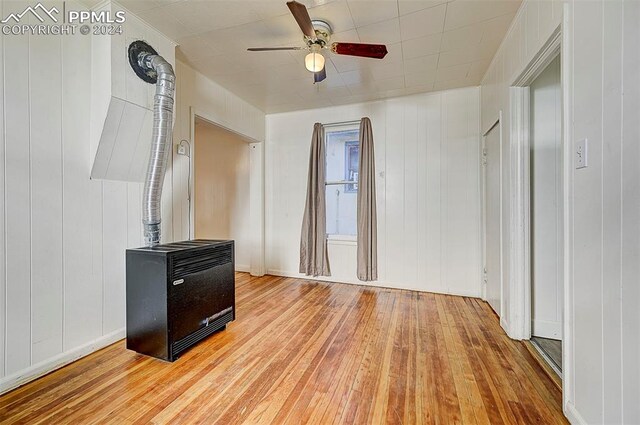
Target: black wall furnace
<point>178,294</point>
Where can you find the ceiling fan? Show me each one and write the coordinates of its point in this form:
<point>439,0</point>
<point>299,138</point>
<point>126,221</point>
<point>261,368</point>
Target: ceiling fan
<point>317,34</point>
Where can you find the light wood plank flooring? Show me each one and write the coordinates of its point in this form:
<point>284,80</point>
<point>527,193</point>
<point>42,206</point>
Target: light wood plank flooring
<point>317,353</point>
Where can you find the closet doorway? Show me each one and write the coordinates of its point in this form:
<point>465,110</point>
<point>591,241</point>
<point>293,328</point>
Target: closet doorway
<point>546,213</point>
<point>221,197</point>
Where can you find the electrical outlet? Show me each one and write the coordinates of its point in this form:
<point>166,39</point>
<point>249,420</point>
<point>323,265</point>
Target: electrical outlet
<point>182,149</point>
<point>581,154</point>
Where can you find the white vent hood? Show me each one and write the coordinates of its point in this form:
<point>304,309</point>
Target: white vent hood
<point>121,103</point>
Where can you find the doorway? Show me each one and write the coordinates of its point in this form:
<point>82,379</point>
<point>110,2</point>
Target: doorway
<point>492,212</point>
<point>546,213</point>
<point>222,188</point>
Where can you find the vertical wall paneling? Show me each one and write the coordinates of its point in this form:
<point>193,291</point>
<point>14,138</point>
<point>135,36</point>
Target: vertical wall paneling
<point>612,48</point>
<point>3,301</point>
<point>630,290</point>
<point>588,195</point>
<point>411,195</point>
<point>432,194</point>
<point>46,196</point>
<point>17,203</point>
<point>427,185</point>
<point>82,200</point>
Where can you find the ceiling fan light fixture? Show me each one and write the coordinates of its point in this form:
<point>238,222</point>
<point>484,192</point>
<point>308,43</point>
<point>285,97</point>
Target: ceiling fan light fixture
<point>314,62</point>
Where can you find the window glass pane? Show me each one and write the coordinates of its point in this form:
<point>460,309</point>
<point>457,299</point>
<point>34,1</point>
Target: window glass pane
<point>341,211</point>
<point>342,150</point>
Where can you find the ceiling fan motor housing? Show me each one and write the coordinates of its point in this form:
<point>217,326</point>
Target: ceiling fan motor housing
<point>323,32</point>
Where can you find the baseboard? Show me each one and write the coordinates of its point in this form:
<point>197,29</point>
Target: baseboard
<point>11,382</point>
<point>243,268</point>
<point>572,414</point>
<point>377,284</point>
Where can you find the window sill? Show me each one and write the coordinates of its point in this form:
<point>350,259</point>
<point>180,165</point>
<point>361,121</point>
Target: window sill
<point>342,240</point>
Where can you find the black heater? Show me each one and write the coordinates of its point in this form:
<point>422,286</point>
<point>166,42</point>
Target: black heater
<point>178,294</point>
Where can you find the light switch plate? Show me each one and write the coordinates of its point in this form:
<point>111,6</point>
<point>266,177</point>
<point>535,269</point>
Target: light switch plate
<point>581,154</point>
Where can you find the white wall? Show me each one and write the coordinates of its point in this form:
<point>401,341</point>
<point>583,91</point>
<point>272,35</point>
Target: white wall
<point>221,189</point>
<point>604,53</point>
<point>428,191</point>
<point>603,62</point>
<point>62,235</point>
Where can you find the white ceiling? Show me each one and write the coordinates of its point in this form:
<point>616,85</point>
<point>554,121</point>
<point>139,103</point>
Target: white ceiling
<point>433,45</point>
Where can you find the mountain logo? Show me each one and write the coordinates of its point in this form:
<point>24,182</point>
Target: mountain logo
<point>39,11</point>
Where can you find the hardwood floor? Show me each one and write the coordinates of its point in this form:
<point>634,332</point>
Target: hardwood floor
<point>310,352</point>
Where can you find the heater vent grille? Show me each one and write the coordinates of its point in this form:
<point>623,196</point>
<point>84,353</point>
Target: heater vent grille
<point>203,260</point>
<point>200,334</point>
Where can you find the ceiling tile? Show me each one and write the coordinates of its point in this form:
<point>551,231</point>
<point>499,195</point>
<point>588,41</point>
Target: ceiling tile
<point>202,17</point>
<point>450,84</point>
<point>477,70</point>
<point>137,6</point>
<point>350,36</point>
<point>365,12</point>
<point>424,22</point>
<point>419,78</point>
<point>386,32</point>
<point>409,6</point>
<point>461,37</point>
<point>355,77</point>
<point>421,64</point>
<point>458,72</point>
<point>166,23</point>
<point>419,89</point>
<point>336,13</point>
<point>421,46</point>
<point>387,70</point>
<point>466,12</point>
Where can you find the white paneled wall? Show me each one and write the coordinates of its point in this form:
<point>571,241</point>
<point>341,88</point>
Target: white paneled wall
<point>605,107</point>
<point>428,196</point>
<point>63,236</point>
<point>603,67</point>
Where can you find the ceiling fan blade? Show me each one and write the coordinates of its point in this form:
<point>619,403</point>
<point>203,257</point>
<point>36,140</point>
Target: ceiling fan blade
<point>301,15</point>
<point>267,49</point>
<point>320,75</point>
<point>376,51</point>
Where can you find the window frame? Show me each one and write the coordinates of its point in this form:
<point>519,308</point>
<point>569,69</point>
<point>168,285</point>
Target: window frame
<point>342,239</point>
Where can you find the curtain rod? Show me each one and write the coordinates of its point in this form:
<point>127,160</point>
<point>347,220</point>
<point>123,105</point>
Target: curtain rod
<point>335,124</point>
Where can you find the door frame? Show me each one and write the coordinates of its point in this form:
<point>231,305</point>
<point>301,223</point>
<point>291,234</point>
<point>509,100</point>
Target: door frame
<point>256,189</point>
<point>520,232</point>
<point>520,296</point>
<point>483,272</point>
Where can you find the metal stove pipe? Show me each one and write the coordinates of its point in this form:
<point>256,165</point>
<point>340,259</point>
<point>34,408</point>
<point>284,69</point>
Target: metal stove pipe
<point>152,67</point>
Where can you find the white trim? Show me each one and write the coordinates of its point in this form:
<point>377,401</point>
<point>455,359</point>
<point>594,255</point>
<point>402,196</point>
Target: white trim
<point>497,122</point>
<point>567,176</point>
<point>11,382</point>
<point>572,414</point>
<point>377,284</point>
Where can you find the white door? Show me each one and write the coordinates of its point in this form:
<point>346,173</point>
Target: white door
<point>546,203</point>
<point>492,196</point>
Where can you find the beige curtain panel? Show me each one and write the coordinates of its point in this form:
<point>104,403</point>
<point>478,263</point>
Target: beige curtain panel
<point>314,259</point>
<point>367,220</point>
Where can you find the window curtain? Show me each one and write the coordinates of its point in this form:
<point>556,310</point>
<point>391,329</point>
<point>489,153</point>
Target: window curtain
<point>367,220</point>
<point>314,259</point>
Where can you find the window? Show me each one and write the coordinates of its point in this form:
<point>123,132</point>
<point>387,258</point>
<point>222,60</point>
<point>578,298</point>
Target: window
<point>342,151</point>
